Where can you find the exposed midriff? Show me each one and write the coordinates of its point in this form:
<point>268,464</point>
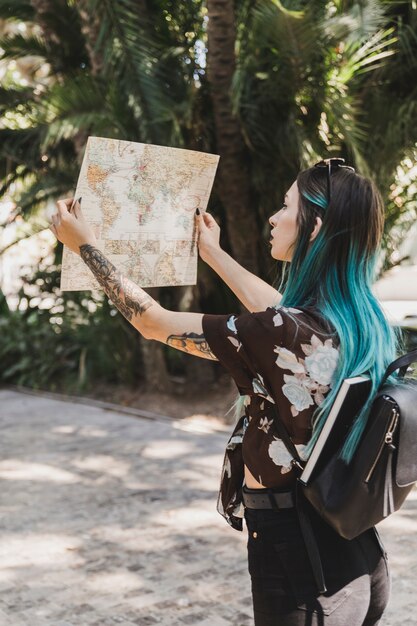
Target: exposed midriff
<point>250,481</point>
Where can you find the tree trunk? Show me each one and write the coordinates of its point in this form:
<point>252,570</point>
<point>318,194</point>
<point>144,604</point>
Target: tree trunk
<point>90,28</point>
<point>234,189</point>
<point>44,8</point>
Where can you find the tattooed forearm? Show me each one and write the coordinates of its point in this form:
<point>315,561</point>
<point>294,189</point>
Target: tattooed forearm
<point>193,344</point>
<point>130,299</point>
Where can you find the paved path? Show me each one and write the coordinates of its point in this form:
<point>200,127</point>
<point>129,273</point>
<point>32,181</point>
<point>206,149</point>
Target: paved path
<point>109,519</point>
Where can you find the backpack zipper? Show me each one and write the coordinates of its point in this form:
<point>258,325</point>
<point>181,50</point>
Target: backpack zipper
<point>386,441</point>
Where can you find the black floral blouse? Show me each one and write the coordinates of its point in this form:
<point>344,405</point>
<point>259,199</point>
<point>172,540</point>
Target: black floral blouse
<point>284,357</point>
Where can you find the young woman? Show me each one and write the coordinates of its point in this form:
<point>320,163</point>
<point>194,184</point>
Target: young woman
<point>289,352</point>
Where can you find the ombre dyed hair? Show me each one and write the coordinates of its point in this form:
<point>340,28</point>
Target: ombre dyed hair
<point>334,274</point>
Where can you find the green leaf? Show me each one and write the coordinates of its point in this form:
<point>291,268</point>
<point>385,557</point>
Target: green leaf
<point>17,10</point>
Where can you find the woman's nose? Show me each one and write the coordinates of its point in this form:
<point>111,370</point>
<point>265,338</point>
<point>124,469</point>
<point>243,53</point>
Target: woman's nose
<point>272,221</point>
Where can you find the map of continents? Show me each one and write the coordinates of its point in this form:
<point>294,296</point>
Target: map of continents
<point>140,200</point>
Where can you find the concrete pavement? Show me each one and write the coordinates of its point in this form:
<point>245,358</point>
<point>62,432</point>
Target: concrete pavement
<point>110,519</point>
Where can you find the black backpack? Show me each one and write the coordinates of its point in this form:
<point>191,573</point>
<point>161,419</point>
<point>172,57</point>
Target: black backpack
<point>352,498</point>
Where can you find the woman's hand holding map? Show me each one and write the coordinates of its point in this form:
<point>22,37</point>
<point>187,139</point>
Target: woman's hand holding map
<point>208,235</point>
<point>70,226</point>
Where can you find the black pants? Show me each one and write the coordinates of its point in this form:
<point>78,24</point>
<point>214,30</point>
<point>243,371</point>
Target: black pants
<point>283,589</point>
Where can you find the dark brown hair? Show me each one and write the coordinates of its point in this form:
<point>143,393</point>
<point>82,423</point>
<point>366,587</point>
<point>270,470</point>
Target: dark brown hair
<point>333,275</point>
<point>354,216</point>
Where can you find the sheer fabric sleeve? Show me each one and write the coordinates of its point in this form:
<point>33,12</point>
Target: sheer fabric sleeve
<point>244,345</point>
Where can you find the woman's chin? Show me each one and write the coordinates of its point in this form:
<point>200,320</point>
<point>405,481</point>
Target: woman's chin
<point>277,256</point>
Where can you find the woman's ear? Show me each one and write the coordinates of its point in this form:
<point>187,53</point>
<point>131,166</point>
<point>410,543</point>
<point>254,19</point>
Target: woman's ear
<point>316,228</point>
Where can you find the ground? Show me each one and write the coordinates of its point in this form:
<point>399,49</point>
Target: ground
<point>216,400</point>
<point>110,518</point>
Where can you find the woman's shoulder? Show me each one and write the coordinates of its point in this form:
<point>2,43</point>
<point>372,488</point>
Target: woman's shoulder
<point>289,321</point>
<point>292,338</point>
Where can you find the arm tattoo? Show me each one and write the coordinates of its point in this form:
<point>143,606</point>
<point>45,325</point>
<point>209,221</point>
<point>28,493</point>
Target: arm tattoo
<point>127,296</point>
<point>193,344</point>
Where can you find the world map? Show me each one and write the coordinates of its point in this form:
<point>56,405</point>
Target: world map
<point>140,200</point>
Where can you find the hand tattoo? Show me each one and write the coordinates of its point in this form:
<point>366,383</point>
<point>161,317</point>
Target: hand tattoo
<point>127,296</point>
<point>193,344</point>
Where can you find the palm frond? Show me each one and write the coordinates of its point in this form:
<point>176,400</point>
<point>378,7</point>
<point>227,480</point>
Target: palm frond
<point>19,46</point>
<point>81,104</point>
<point>368,56</point>
<point>69,128</point>
<point>290,36</point>
<point>407,37</point>
<point>50,186</point>
<point>132,52</point>
<point>279,55</point>
<point>18,10</point>
<point>13,97</point>
<point>21,145</point>
<point>355,24</point>
<point>60,26</point>
<point>19,174</point>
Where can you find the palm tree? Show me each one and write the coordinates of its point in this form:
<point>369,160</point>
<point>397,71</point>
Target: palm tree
<point>125,75</point>
<point>282,88</point>
<point>234,174</point>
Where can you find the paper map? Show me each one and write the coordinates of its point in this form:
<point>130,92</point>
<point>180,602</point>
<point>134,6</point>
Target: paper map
<point>140,200</point>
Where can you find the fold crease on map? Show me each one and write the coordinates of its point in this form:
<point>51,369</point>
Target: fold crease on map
<point>140,200</point>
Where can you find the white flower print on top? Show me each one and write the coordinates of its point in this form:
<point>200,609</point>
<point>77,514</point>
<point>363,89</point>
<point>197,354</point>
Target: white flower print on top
<point>245,425</point>
<point>297,394</point>
<point>265,424</point>
<point>235,342</point>
<point>259,388</point>
<point>287,360</point>
<point>280,455</point>
<point>227,468</point>
<point>231,324</point>
<point>287,309</point>
<point>321,360</point>
<point>277,319</point>
<point>312,376</point>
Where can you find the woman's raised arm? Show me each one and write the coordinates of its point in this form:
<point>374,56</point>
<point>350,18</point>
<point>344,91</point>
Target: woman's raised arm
<point>254,293</point>
<point>183,331</point>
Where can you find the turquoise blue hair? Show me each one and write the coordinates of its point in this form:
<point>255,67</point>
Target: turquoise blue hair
<point>334,274</point>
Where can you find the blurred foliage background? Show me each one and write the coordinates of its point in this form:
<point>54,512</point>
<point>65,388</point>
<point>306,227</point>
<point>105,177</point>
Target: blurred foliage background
<point>270,86</point>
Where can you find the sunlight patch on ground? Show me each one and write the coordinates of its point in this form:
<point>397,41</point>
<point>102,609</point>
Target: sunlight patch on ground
<point>9,575</point>
<point>103,463</point>
<point>139,484</point>
<point>196,478</point>
<point>201,424</point>
<point>210,461</point>
<point>186,517</point>
<point>39,549</point>
<point>65,429</point>
<point>167,449</point>
<point>86,431</point>
<point>114,582</point>
<point>92,431</point>
<point>13,469</point>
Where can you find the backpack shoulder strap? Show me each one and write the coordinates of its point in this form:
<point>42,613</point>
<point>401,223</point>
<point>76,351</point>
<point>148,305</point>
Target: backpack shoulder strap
<point>401,363</point>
